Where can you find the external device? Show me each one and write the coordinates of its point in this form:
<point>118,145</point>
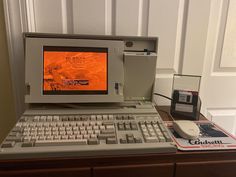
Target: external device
<point>185,104</point>
<point>185,97</point>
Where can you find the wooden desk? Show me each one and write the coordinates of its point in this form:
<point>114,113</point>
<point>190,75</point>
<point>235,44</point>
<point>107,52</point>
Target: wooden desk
<point>180,164</point>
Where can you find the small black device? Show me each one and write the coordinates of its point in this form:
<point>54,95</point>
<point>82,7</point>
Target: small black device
<point>185,104</point>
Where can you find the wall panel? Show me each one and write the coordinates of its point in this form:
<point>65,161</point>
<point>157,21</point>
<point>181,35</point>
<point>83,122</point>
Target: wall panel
<point>128,17</point>
<point>49,16</point>
<point>92,17</point>
<point>196,36</point>
<point>225,118</point>
<point>167,22</point>
<point>163,22</point>
<point>228,57</point>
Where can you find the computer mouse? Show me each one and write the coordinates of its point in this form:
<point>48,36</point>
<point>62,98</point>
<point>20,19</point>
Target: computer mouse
<point>186,129</point>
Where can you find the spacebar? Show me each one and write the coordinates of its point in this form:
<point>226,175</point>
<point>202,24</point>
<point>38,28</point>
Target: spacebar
<point>61,142</point>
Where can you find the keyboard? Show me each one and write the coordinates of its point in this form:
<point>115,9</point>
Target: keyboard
<point>86,135</point>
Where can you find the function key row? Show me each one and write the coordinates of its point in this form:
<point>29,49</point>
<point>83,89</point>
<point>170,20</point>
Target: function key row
<point>49,118</point>
<point>21,125</point>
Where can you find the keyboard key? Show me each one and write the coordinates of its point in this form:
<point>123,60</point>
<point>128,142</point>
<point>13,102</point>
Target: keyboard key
<point>105,117</point>
<point>79,136</point>
<point>107,131</point>
<point>27,138</point>
<point>99,117</point>
<point>151,139</point>
<point>138,140</point>
<point>134,127</point>
<point>90,131</point>
<point>127,127</point>
<point>41,138</point>
<point>86,136</point>
<point>64,137</point>
<point>108,123</point>
<point>17,129</point>
<point>110,127</point>
<point>13,138</point>
<point>162,139</point>
<point>95,127</point>
<point>96,131</point>
<point>167,136</point>
<point>110,117</point>
<point>27,144</point>
<point>105,136</point>
<point>93,136</point>
<point>131,117</point>
<point>64,118</point>
<point>92,123</point>
<point>49,118</point>
<point>130,140</point>
<point>121,127</point>
<point>57,137</point>
<point>71,137</point>
<point>76,132</point>
<point>8,144</point>
<point>123,140</point>
<point>102,127</point>
<point>93,141</point>
<point>84,118</point>
<point>130,135</point>
<point>162,127</point>
<point>71,118</point>
<point>111,141</point>
<point>56,118</point>
<point>125,117</point>
<point>93,117</point>
<point>61,142</point>
<point>119,117</point>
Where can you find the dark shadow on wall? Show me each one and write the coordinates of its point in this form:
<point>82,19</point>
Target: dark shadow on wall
<point>7,110</point>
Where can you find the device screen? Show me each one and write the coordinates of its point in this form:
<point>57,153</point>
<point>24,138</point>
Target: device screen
<point>75,70</point>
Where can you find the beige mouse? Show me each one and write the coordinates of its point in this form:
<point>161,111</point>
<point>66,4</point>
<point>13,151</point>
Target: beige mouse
<point>186,129</point>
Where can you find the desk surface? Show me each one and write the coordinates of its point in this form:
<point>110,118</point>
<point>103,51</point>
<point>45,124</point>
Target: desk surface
<point>179,164</point>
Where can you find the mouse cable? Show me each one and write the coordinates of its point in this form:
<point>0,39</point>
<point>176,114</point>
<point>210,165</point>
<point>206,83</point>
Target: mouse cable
<point>158,94</point>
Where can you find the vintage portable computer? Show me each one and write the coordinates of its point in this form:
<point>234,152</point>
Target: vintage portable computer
<point>87,96</point>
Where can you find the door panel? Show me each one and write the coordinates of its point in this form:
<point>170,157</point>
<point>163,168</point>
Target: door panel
<point>219,71</point>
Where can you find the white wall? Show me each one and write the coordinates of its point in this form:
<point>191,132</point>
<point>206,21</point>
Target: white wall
<point>188,31</point>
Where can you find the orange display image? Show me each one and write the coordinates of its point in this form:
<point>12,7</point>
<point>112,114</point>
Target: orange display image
<point>75,71</point>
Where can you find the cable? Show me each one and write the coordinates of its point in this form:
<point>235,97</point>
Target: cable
<point>163,96</point>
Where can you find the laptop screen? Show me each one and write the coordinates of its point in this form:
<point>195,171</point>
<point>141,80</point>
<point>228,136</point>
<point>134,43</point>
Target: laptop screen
<point>75,70</point>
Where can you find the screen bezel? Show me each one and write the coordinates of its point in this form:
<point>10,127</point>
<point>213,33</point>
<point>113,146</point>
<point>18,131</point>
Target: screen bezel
<point>75,49</point>
<point>34,71</point>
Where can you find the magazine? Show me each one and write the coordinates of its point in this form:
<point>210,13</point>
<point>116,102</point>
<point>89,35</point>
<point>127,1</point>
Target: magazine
<point>211,137</point>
